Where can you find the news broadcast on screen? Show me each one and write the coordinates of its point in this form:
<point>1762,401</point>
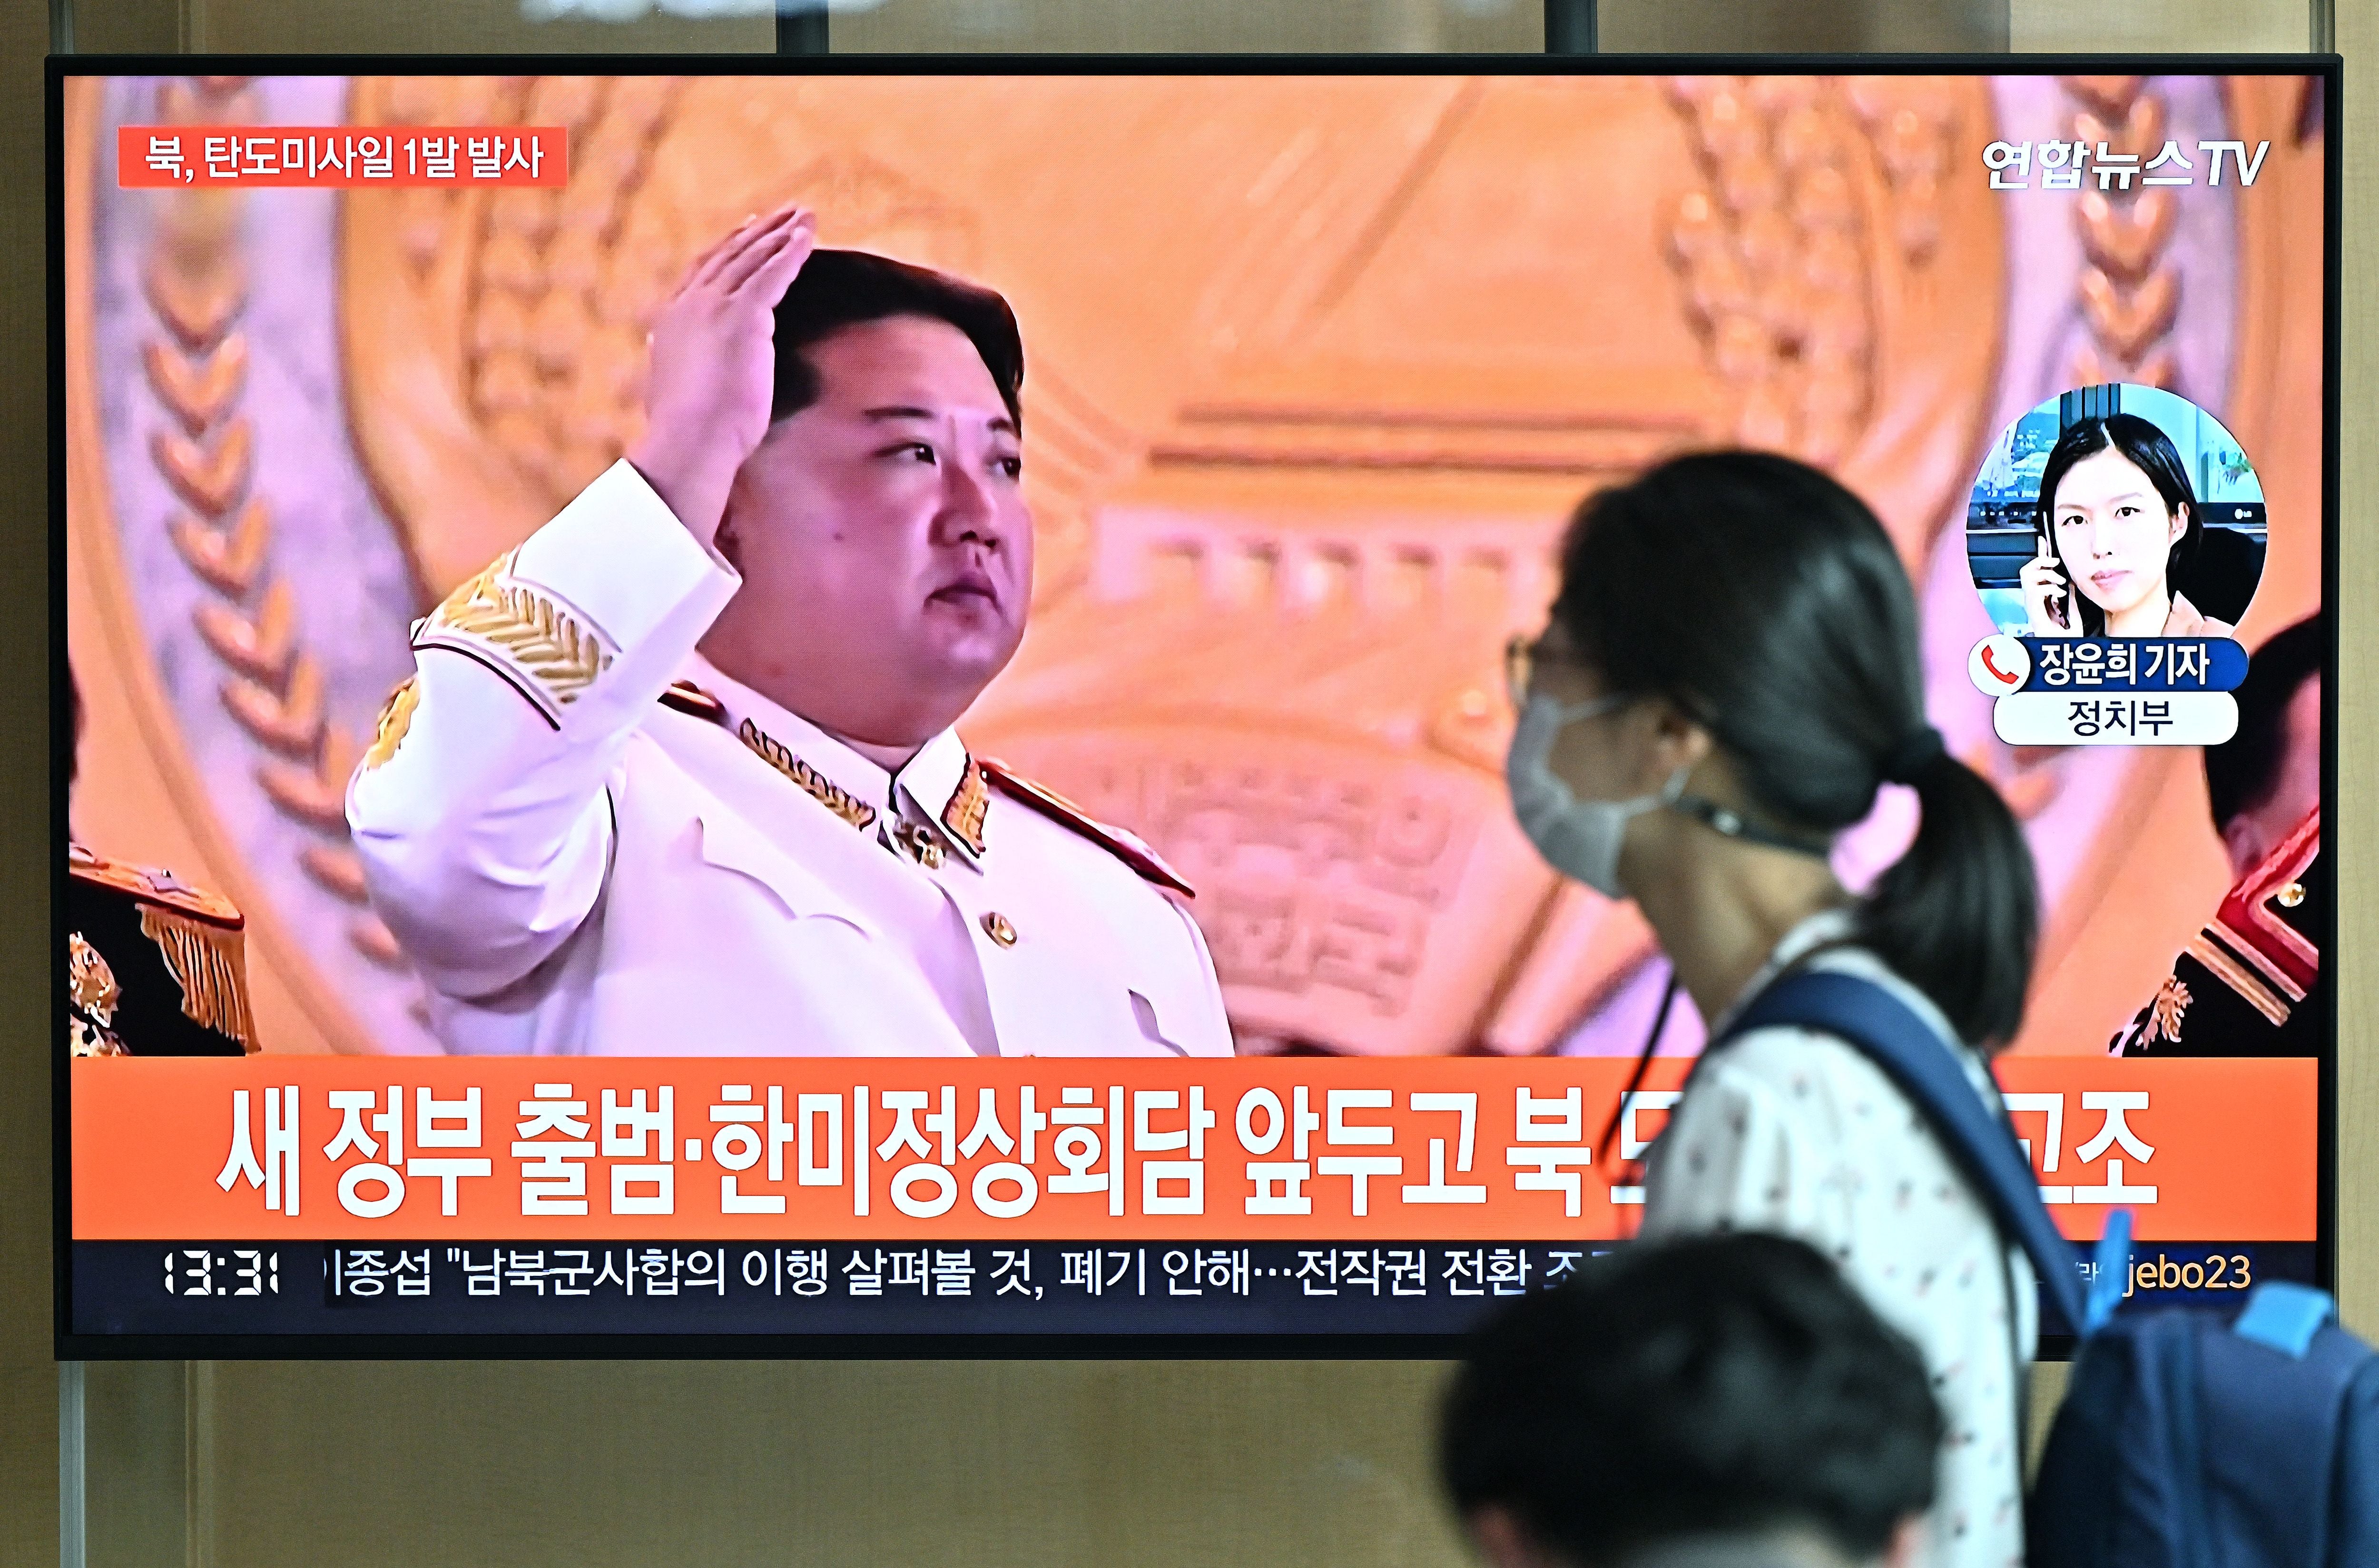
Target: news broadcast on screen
<point>871,709</point>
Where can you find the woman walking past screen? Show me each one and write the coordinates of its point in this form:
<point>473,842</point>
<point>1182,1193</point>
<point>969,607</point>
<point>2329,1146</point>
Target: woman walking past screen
<point>1730,675</point>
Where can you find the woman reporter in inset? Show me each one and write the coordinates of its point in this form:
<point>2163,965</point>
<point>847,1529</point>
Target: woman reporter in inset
<point>1731,675</point>
<point>2117,526</point>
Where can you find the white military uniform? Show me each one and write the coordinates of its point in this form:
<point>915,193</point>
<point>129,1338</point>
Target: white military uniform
<point>588,840</point>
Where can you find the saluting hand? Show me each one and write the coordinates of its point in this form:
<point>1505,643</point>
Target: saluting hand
<point>714,366</point>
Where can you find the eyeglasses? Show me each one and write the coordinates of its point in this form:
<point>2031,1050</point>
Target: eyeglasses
<point>1520,668</point>
<point>1522,657</point>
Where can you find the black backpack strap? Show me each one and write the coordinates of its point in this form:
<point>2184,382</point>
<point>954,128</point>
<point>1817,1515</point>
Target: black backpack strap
<point>1922,1067</point>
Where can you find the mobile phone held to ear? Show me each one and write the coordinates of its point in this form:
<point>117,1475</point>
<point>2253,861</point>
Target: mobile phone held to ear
<point>2052,593</point>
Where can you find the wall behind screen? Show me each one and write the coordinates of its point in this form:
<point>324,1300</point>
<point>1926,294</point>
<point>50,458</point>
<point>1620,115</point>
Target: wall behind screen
<point>593,1464</point>
<point>28,1379</point>
<point>2358,746</point>
<point>1133,26</point>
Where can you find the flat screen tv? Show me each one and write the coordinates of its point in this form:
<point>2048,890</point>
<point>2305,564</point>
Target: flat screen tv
<point>479,934</point>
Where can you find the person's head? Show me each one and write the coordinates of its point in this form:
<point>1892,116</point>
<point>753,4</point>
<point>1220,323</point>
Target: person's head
<point>880,528</point>
<point>1751,626</point>
<point>1710,1393</point>
<point>2119,514</point>
<point>2263,780</point>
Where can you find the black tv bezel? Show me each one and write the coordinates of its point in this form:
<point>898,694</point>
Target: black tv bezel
<point>75,1347</point>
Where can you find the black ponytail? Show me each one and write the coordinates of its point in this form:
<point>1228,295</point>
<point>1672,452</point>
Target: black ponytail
<point>1968,873</point>
<point>1760,595</point>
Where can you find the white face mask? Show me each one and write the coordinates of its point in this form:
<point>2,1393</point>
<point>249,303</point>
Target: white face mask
<point>1579,838</point>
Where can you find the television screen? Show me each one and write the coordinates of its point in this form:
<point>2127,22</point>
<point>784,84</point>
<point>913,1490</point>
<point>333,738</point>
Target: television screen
<point>865,710</point>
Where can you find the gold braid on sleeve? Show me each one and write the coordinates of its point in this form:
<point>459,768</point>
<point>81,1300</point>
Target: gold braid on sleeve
<point>526,629</point>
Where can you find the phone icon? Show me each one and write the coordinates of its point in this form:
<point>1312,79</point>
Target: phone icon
<point>2000,665</point>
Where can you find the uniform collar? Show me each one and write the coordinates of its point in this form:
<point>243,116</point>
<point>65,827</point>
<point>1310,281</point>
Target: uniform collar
<point>940,785</point>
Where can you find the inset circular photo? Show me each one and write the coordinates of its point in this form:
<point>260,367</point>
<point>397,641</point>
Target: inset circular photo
<point>2116,510</point>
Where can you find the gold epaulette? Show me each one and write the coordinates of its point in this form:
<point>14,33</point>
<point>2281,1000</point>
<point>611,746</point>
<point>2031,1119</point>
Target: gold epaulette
<point>200,935</point>
<point>160,889</point>
<point>1059,809</point>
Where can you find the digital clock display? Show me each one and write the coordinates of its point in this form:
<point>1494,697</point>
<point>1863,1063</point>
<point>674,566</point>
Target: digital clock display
<point>239,1270</point>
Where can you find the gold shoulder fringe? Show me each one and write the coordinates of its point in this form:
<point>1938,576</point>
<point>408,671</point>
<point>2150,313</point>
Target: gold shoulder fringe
<point>210,965</point>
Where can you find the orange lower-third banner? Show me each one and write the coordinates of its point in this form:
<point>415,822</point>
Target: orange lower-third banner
<point>1277,1149</point>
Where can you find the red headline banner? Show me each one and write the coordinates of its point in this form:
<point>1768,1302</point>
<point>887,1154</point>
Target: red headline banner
<point>1277,1149</point>
<point>336,156</point>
